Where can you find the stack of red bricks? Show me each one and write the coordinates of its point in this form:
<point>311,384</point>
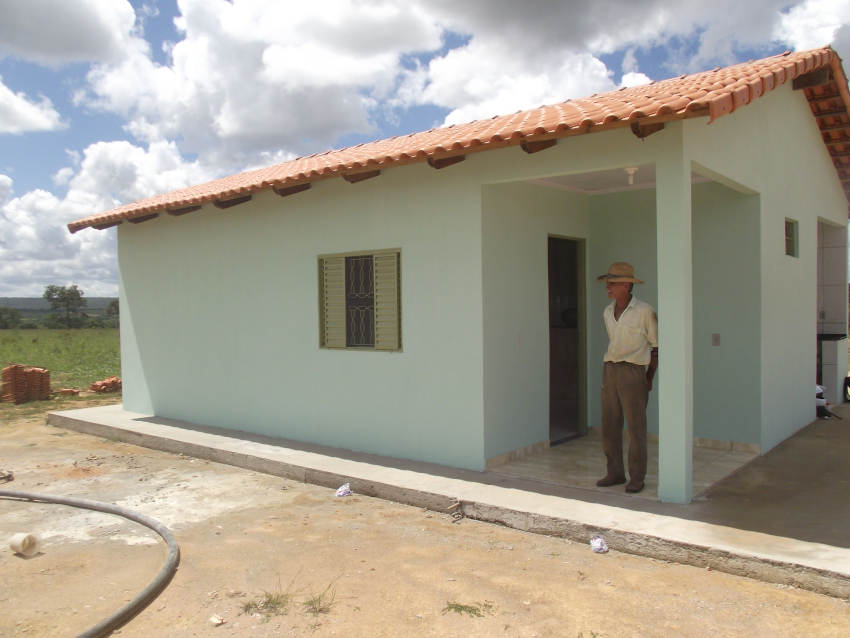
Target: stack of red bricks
<point>38,384</point>
<point>22,384</point>
<point>14,384</point>
<point>110,384</point>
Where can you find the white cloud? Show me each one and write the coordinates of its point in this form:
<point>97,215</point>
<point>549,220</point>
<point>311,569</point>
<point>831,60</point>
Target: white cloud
<point>63,176</point>
<point>5,188</point>
<point>253,78</point>
<point>634,79</point>
<point>115,173</point>
<point>532,28</point>
<point>521,55</point>
<point>629,64</point>
<point>36,248</point>
<point>631,75</point>
<point>813,23</point>
<point>55,33</point>
<point>841,43</point>
<point>255,82</point>
<point>18,114</point>
<point>479,81</point>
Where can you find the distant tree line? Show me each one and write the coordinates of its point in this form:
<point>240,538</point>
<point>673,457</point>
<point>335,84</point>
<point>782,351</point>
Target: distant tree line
<point>67,310</point>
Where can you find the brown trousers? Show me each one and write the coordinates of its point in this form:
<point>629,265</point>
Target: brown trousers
<point>624,394</point>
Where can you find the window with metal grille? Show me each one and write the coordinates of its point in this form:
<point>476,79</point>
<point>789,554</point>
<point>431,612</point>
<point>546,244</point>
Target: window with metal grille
<point>360,300</point>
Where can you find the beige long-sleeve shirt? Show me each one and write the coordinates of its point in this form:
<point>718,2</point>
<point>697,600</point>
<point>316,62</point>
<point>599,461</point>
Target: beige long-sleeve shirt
<point>632,337</point>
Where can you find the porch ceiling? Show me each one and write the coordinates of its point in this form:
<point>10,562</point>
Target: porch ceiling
<point>611,180</point>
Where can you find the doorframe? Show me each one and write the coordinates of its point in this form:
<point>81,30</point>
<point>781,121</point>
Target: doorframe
<point>581,274</point>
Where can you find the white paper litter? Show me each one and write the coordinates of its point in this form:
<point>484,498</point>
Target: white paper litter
<point>598,544</point>
<point>344,490</point>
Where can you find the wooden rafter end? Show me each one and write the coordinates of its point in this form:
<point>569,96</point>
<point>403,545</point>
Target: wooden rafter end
<point>142,218</point>
<point>291,190</point>
<point>815,78</point>
<point>184,210</point>
<point>642,130</point>
<point>359,177</point>
<point>537,145</point>
<point>227,203</point>
<point>442,162</point>
<point>106,225</point>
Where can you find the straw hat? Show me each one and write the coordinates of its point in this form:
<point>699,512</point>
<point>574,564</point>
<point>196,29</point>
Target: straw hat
<point>620,271</point>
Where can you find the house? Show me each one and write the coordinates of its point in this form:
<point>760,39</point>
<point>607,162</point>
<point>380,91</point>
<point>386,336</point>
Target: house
<point>433,296</point>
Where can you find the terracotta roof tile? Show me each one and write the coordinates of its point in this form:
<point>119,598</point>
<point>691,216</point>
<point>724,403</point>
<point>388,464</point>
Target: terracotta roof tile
<point>710,93</point>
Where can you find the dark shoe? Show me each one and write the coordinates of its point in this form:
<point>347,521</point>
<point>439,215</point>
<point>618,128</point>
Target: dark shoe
<point>608,481</point>
<point>634,487</point>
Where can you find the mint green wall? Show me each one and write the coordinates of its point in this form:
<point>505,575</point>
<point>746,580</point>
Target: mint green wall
<point>773,147</point>
<point>219,307</point>
<point>517,221</point>
<point>622,228</point>
<point>674,237</point>
<point>727,302</point>
<point>220,317</point>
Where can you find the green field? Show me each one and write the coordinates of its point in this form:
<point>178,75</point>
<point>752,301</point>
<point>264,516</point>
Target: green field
<point>75,358</point>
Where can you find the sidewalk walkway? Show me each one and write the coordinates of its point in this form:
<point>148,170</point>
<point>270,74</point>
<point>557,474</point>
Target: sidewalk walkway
<point>740,526</point>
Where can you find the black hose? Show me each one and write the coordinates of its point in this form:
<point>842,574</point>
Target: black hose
<point>150,592</point>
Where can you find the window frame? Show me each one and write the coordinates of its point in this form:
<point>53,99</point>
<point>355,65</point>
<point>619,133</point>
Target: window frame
<point>794,238</point>
<point>387,309</point>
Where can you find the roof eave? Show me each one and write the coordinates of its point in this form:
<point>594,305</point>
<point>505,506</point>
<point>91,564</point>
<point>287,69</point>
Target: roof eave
<point>692,110</point>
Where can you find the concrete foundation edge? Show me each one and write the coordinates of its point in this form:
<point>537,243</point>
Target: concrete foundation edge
<point>784,573</point>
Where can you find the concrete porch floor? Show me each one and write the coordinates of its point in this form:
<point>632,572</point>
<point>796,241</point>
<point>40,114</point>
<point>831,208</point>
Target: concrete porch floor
<point>580,462</point>
<point>783,517</point>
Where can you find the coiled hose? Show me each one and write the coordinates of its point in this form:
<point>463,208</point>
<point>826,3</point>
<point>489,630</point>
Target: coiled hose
<point>134,606</point>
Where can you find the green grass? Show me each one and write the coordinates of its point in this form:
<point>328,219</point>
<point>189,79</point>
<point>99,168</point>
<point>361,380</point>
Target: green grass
<point>75,358</point>
<point>322,602</point>
<point>269,604</point>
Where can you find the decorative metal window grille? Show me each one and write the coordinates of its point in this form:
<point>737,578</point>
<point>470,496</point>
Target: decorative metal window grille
<point>359,301</point>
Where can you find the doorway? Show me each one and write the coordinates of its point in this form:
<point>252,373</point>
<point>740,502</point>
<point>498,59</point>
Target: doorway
<point>566,340</point>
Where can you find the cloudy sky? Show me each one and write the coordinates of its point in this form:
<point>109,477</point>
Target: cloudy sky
<point>104,102</point>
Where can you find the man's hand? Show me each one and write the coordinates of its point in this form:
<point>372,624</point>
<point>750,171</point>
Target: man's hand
<point>653,366</point>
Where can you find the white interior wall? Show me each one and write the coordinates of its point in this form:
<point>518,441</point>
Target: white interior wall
<point>832,308</point>
<point>832,278</point>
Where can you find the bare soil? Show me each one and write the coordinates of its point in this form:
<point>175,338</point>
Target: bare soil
<point>272,557</point>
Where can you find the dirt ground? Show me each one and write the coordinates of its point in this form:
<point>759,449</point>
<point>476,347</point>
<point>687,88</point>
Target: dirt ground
<point>352,566</point>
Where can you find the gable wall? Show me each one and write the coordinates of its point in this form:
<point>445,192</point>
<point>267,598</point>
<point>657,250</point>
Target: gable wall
<point>220,317</point>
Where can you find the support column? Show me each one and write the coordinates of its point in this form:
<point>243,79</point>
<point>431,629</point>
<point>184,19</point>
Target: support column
<point>674,226</point>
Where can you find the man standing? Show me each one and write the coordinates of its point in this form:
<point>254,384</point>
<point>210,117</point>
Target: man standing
<point>628,370</point>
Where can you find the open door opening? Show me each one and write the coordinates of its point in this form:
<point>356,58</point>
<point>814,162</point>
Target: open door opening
<point>565,341</point>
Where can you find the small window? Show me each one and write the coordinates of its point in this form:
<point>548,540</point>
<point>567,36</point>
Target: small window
<point>360,300</point>
<point>791,242</point>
